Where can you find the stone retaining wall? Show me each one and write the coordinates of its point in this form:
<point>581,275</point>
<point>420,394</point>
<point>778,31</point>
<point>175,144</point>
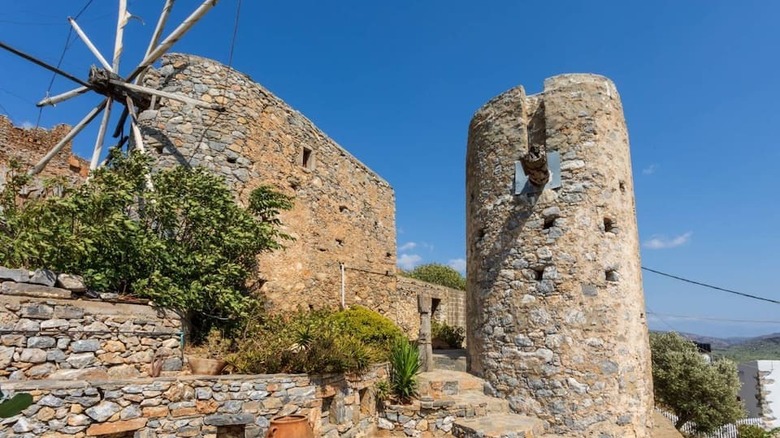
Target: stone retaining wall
<point>191,406</point>
<point>448,306</point>
<point>73,339</point>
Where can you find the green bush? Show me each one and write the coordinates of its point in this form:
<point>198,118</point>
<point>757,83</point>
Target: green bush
<point>450,335</point>
<point>404,367</point>
<point>437,273</point>
<point>752,431</point>
<point>185,244</point>
<point>319,342</point>
<point>369,327</point>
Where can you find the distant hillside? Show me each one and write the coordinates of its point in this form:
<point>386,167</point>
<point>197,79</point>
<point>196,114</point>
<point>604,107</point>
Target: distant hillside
<point>760,348</point>
<point>766,347</point>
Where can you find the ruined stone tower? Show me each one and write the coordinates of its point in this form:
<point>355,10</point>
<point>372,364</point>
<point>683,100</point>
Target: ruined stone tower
<point>556,311</point>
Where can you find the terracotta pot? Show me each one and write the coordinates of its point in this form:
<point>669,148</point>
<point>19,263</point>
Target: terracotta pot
<point>290,426</point>
<point>208,367</point>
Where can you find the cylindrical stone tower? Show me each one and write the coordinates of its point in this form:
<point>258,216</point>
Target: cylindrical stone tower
<point>556,315</point>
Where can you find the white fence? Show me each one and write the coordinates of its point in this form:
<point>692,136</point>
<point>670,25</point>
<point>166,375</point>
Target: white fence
<point>727,431</point>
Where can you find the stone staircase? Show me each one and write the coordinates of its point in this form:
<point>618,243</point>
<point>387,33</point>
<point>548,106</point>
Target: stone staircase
<point>477,415</point>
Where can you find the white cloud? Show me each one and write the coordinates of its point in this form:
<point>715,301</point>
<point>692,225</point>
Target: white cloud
<point>663,242</point>
<point>407,246</point>
<point>649,170</point>
<point>408,261</point>
<point>458,265</point>
<point>28,125</point>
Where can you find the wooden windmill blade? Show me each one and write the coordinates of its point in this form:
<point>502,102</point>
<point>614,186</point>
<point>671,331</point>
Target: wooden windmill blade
<point>107,81</point>
<point>68,137</point>
<point>122,17</point>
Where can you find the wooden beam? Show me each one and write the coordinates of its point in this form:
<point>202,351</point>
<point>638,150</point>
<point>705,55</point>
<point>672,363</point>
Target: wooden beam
<point>121,21</point>
<point>68,137</point>
<point>89,45</point>
<point>63,97</point>
<point>173,96</point>
<point>173,38</point>
<point>93,164</point>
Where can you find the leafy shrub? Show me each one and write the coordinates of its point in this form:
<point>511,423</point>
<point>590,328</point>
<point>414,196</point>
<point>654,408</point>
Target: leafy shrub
<point>319,342</point>
<point>450,335</point>
<point>437,273</point>
<point>186,244</point>
<point>369,327</point>
<point>753,431</point>
<point>404,367</point>
<point>692,388</point>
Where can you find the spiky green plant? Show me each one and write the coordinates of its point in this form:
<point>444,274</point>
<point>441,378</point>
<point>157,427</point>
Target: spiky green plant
<point>404,367</point>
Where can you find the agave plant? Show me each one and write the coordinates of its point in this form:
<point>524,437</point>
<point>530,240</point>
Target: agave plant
<point>10,407</point>
<point>404,367</point>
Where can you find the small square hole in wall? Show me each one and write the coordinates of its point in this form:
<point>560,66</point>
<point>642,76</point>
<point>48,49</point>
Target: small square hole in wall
<point>234,431</point>
<point>609,225</point>
<point>538,274</point>
<point>549,222</point>
<point>611,275</point>
<point>307,158</point>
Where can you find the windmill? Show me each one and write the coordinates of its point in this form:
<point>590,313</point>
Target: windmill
<point>106,81</point>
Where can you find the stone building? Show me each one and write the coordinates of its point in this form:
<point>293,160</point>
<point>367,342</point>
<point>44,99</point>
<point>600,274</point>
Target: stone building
<point>28,145</point>
<point>556,310</point>
<point>344,213</point>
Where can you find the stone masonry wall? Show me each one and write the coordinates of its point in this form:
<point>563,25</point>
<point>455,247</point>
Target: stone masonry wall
<point>194,406</point>
<point>48,338</point>
<point>29,145</point>
<point>344,212</point>
<point>556,311</point>
<point>449,304</point>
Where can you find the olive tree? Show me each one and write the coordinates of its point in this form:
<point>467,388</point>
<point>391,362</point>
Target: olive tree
<point>694,389</point>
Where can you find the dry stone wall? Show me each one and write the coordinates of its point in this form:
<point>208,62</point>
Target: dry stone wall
<point>556,312</point>
<point>194,406</point>
<point>448,305</point>
<point>46,334</point>
<point>28,145</point>
<point>344,212</point>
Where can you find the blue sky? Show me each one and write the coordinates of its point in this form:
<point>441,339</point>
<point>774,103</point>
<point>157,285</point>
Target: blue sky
<point>397,82</point>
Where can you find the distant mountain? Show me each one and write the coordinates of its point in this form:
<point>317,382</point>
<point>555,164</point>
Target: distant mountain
<point>764,347</point>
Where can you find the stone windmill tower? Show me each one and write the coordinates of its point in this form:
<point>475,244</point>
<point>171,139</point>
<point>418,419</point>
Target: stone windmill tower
<point>556,310</point>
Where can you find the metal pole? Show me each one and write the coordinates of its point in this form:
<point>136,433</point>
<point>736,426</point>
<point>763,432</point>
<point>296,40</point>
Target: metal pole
<point>343,290</point>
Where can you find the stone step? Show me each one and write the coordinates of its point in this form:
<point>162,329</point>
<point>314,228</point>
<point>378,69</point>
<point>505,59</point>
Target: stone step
<point>499,426</point>
<point>442,383</point>
<point>454,360</point>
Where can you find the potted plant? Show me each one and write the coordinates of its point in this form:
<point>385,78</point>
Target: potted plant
<point>208,357</point>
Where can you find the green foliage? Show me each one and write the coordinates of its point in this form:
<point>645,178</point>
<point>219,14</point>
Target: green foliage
<point>437,274</point>
<point>318,342</point>
<point>693,389</point>
<point>404,367</point>
<point>450,335</point>
<point>383,390</point>
<point>753,431</point>
<point>369,327</point>
<point>10,407</point>
<point>186,244</point>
